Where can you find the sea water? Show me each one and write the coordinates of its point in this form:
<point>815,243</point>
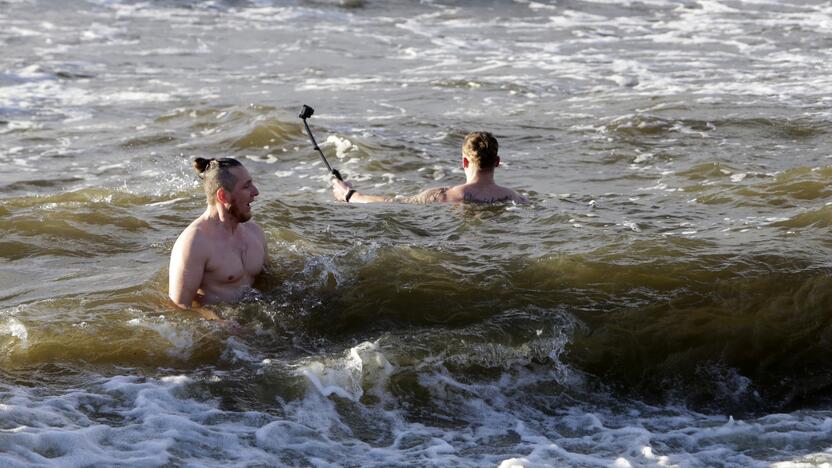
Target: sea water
<point>663,301</point>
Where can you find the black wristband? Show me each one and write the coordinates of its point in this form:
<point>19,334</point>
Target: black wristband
<point>349,195</point>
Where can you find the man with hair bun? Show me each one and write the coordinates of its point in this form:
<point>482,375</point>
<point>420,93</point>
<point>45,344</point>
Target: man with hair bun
<point>217,257</point>
<point>479,159</point>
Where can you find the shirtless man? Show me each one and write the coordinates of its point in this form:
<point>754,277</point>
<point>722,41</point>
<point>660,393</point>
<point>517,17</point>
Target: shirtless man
<point>217,257</point>
<point>479,159</point>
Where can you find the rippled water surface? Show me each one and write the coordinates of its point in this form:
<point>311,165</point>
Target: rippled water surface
<point>663,301</point>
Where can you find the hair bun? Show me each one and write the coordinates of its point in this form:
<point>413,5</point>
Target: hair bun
<point>200,164</point>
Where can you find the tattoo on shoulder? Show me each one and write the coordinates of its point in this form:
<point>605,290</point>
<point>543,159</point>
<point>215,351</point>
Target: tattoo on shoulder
<point>470,198</point>
<point>436,195</point>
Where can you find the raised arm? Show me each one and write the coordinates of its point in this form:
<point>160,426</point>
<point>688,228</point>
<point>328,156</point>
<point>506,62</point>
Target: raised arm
<point>341,190</point>
<point>187,266</point>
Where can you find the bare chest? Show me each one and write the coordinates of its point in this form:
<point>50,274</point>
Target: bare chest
<point>235,262</point>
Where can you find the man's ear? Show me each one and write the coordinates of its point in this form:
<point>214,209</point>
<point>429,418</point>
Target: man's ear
<point>222,195</point>
<point>497,162</point>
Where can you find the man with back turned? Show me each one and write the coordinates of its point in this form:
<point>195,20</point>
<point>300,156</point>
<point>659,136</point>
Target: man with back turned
<point>217,257</point>
<point>479,160</point>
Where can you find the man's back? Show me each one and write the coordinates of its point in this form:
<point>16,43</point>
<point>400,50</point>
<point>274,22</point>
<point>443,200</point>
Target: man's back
<point>479,160</point>
<point>481,193</point>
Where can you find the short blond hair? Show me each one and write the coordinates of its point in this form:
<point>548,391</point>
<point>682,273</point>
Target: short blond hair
<point>481,149</point>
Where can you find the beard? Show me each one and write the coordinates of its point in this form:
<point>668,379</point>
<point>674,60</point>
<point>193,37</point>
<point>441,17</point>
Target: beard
<point>241,217</point>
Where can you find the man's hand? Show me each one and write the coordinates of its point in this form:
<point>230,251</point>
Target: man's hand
<point>340,189</point>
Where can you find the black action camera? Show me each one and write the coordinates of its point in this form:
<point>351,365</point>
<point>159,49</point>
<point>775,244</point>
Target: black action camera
<point>306,112</point>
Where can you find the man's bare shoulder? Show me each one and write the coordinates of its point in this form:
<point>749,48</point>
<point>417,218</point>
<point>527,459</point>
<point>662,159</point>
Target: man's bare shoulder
<point>433,195</point>
<point>254,227</point>
<point>495,194</point>
<point>197,233</point>
<point>510,195</point>
<point>255,230</point>
<point>517,197</point>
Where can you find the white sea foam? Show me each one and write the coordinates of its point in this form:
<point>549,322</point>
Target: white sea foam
<point>136,96</point>
<point>342,145</point>
<point>181,339</point>
<point>162,421</point>
<point>346,377</point>
<point>631,226</point>
<point>339,84</point>
<point>30,95</point>
<point>14,336</point>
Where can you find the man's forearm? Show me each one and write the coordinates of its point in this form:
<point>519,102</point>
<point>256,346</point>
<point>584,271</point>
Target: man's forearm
<point>361,198</point>
<point>428,196</point>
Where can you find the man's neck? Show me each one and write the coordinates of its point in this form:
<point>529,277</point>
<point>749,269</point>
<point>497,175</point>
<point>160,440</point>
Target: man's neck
<point>479,177</point>
<point>222,217</point>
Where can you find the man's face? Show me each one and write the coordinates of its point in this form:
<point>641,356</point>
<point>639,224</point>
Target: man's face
<point>242,195</point>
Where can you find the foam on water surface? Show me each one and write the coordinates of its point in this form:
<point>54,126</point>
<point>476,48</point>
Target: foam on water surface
<point>166,420</point>
<point>676,153</point>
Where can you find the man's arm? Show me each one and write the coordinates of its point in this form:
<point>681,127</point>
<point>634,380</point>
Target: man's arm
<point>187,267</point>
<point>341,189</point>
<point>434,195</point>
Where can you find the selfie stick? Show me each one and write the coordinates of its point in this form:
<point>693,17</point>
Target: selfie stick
<point>305,113</point>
